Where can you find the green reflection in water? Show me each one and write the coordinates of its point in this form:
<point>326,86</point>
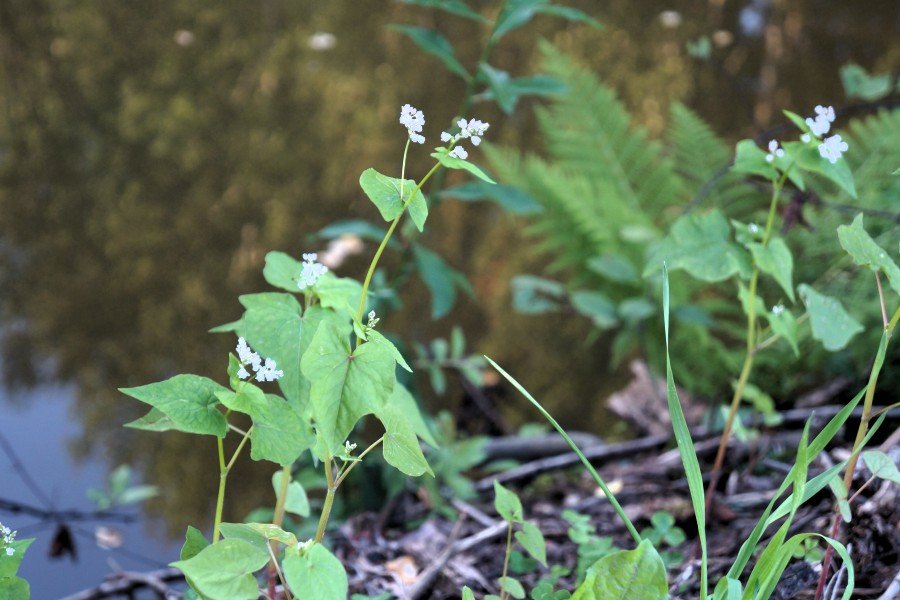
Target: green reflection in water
<point>150,154</point>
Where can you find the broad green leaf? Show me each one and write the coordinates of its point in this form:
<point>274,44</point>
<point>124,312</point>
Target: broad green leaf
<point>626,575</point>
<point>784,324</point>
<point>9,564</point>
<point>194,543</point>
<point>467,593</point>
<point>512,199</point>
<point>751,159</point>
<point>881,465</point>
<point>406,405</point>
<point>512,587</point>
<point>433,43</point>
<point>456,7</point>
<point>346,385</point>
<point>272,326</point>
<point>613,267</point>
<point>807,158</point>
<point>385,193</point>
<point>830,323</point>
<point>535,295</point>
<point>698,244</point>
<point>279,433</point>
<point>296,502</point>
<point>188,400</point>
<point>337,292</point>
<point>401,446</point>
<point>243,400</point>
<point>358,228</point>
<point>380,340</point>
<point>776,260</point>
<point>532,541</point>
<point>858,83</point>
<point>634,310</point>
<point>258,534</point>
<point>155,420</point>
<point>507,504</point>
<point>225,569</point>
<point>14,588</point>
<point>440,278</point>
<point>282,271</point>
<point>866,253</point>
<point>316,573</point>
<point>596,306</point>
<point>517,13</point>
<point>507,91</point>
<point>685,448</point>
<point>451,162</point>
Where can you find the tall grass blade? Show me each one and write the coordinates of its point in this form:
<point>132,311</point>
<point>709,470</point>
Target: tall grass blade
<point>686,447</point>
<point>587,464</point>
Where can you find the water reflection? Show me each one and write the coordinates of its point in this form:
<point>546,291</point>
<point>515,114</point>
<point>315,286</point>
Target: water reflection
<point>151,154</point>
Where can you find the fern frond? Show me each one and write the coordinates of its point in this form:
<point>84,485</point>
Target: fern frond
<point>588,131</point>
<point>873,155</point>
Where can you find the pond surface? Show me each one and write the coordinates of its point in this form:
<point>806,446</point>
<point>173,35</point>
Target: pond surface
<point>151,154</point>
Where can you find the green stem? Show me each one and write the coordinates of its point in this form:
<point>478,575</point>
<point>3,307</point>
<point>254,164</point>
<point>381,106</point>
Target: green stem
<point>220,498</point>
<point>343,475</point>
<point>277,520</point>
<point>329,501</point>
<point>751,347</point>
<point>223,478</point>
<point>387,236</point>
<point>509,532</point>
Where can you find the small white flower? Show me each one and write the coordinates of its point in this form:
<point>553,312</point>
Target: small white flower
<point>777,309</point>
<point>265,371</point>
<point>10,551</point>
<point>268,371</point>
<point>414,120</point>
<point>349,448</point>
<point>373,320</point>
<point>805,138</point>
<point>832,148</point>
<point>311,271</point>
<point>459,152</point>
<point>753,228</point>
<point>446,137</point>
<point>825,112</point>
<point>822,123</point>
<point>774,151</point>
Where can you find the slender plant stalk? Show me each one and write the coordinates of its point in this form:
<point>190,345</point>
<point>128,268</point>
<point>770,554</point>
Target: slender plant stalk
<point>223,478</point>
<point>384,242</point>
<point>329,501</point>
<point>509,531</point>
<point>349,467</point>
<point>751,348</point>
<point>854,457</point>
<point>278,519</point>
<point>584,461</point>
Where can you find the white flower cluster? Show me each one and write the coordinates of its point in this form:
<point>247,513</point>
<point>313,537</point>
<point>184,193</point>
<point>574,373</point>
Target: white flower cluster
<point>7,536</point>
<point>414,120</point>
<point>774,151</point>
<point>472,129</point>
<point>266,370</point>
<point>373,320</point>
<point>831,148</point>
<point>311,271</point>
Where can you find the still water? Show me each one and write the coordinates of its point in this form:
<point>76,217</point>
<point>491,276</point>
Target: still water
<point>151,154</point>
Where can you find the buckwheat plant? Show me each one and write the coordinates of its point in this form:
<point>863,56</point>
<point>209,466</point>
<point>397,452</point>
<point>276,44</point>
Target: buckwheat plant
<point>307,369</point>
<point>11,553</point>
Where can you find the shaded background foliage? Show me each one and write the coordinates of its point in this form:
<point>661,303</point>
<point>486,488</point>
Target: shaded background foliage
<point>151,154</point>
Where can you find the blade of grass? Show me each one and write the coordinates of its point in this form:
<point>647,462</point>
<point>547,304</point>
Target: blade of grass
<point>686,447</point>
<point>587,464</point>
